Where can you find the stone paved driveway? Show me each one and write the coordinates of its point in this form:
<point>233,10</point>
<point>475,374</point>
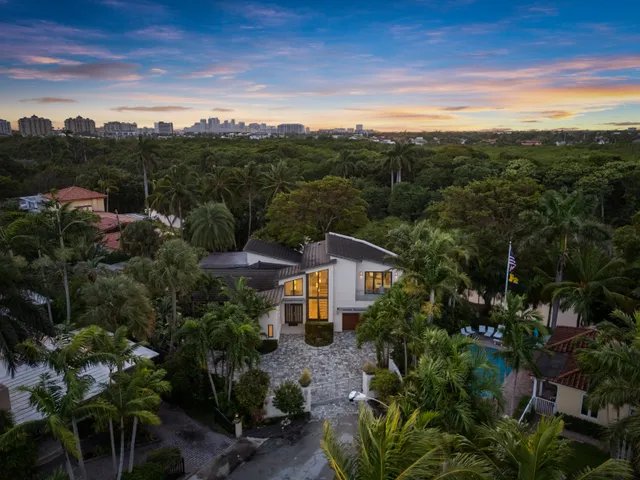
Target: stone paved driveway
<point>342,359</point>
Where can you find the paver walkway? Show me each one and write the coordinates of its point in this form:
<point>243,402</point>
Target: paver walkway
<point>341,359</point>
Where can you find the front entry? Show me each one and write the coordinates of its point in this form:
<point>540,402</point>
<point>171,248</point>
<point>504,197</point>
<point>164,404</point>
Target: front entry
<point>350,321</point>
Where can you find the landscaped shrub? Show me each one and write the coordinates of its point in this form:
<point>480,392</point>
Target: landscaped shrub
<point>582,426</point>
<point>148,471</point>
<point>165,456</point>
<point>386,384</point>
<point>305,378</point>
<point>268,346</point>
<point>251,391</point>
<point>522,404</point>
<point>189,383</point>
<point>289,399</point>
<point>19,458</point>
<point>369,368</point>
<point>318,334</point>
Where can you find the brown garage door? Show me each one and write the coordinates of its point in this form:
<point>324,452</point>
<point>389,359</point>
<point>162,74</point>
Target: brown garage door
<point>350,321</point>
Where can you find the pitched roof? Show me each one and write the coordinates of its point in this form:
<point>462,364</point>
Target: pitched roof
<point>28,376</point>
<point>109,221</point>
<point>111,240</point>
<point>274,295</point>
<point>272,249</point>
<point>561,366</point>
<point>71,194</point>
<point>353,248</point>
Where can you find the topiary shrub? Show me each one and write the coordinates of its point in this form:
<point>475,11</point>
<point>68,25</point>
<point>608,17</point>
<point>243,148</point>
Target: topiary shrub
<point>251,391</point>
<point>288,398</point>
<point>318,334</point>
<point>386,384</point>
<point>268,346</point>
<point>305,378</point>
<point>369,368</point>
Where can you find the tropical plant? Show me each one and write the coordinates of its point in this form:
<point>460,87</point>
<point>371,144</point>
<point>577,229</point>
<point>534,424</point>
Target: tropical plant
<point>516,453</point>
<point>391,447</point>
<point>280,178</point>
<point>305,378</point>
<point>564,221</point>
<point>147,156</point>
<point>249,182</point>
<point>386,384</point>
<point>288,398</point>
<point>219,185</point>
<point>211,226</point>
<point>398,158</point>
<point>20,318</point>
<point>118,300</point>
<point>247,298</point>
<point>140,239</point>
<point>376,327</point>
<point>251,392</point>
<point>522,337</point>
<point>172,191</point>
<point>344,164</point>
<point>18,458</point>
<point>594,278</point>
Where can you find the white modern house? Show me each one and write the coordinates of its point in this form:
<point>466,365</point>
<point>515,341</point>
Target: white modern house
<point>333,280</point>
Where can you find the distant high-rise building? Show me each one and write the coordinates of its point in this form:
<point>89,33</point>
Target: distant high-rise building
<point>241,125</point>
<point>5,127</point>
<point>232,124</point>
<point>225,125</point>
<point>35,126</point>
<point>359,127</point>
<point>290,129</point>
<point>163,128</point>
<point>120,129</point>
<point>80,125</point>
<point>214,124</point>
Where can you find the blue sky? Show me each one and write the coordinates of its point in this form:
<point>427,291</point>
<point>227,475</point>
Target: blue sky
<point>411,65</point>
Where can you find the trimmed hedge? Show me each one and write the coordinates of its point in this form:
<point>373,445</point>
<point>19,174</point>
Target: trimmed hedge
<point>318,333</point>
<point>158,461</point>
<point>386,384</point>
<point>582,426</point>
<point>268,346</point>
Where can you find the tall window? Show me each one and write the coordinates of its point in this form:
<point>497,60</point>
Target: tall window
<point>293,288</point>
<point>270,331</point>
<point>318,295</point>
<point>585,409</point>
<point>376,282</point>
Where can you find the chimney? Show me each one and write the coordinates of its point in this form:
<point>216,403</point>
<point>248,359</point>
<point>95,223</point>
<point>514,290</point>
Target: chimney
<point>5,399</point>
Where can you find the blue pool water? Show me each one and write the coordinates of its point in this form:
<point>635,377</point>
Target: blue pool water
<point>503,369</point>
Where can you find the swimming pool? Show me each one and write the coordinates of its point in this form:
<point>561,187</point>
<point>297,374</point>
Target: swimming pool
<point>503,369</point>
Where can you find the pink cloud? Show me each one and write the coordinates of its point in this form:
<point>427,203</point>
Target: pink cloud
<point>160,32</point>
<point>220,69</point>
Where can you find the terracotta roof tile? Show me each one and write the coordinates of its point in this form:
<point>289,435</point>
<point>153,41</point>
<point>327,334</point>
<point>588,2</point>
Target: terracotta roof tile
<point>566,341</point>
<point>109,221</point>
<point>71,194</point>
<point>111,240</point>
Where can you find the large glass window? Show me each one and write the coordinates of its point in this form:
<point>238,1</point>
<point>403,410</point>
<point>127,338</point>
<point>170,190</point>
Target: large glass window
<point>585,409</point>
<point>377,282</point>
<point>318,295</point>
<point>293,288</point>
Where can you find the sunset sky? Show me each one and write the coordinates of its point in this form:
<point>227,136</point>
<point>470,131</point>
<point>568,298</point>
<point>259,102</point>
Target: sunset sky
<point>410,65</point>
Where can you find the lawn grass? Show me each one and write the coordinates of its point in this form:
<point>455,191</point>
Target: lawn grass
<point>585,455</point>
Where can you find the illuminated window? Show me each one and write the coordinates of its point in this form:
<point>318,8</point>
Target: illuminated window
<point>293,288</point>
<point>318,295</point>
<point>270,331</point>
<point>377,282</point>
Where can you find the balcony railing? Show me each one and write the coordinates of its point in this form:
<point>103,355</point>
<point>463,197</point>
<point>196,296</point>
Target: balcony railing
<point>544,406</point>
<point>370,295</point>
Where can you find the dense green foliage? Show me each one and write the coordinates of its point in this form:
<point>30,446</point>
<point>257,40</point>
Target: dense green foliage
<point>386,384</point>
<point>251,392</point>
<point>19,458</point>
<point>318,333</point>
<point>288,398</point>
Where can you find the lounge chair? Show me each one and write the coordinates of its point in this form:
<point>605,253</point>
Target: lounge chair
<point>490,331</point>
<point>469,330</point>
<point>497,337</point>
<point>463,331</point>
<point>482,329</point>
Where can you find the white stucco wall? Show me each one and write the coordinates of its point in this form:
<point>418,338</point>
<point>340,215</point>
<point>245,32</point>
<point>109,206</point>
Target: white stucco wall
<point>273,318</point>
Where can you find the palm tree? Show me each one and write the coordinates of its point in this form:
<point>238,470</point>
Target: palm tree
<point>249,183</point>
<point>200,340</point>
<point>107,185</point>
<point>115,301</point>
<point>594,278</point>
<point>212,226</point>
<point>518,454</point>
<point>447,381</point>
<point>400,306</point>
<point>176,269</point>
<point>147,159</point>
<point>171,191</point>
<point>523,333</point>
<point>280,178</point>
<point>20,319</point>
<point>565,220</point>
<point>399,157</point>
<point>344,164</point>
<point>247,299</point>
<point>219,185</point>
<point>376,327</point>
<point>390,447</point>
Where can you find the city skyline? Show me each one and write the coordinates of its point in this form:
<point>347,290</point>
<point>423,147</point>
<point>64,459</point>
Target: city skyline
<point>420,65</point>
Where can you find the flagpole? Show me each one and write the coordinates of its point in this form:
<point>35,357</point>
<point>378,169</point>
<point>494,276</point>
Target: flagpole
<point>506,279</point>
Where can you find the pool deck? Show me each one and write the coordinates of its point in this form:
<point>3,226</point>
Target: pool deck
<point>486,342</point>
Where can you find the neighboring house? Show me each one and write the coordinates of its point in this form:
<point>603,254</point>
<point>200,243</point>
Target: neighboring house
<point>563,387</point>
<point>16,401</point>
<point>32,203</point>
<point>530,143</point>
<point>79,197</point>
<point>333,280</point>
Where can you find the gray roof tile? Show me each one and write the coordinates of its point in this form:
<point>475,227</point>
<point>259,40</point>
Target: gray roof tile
<point>272,249</point>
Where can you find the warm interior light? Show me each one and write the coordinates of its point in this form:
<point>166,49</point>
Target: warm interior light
<point>361,275</point>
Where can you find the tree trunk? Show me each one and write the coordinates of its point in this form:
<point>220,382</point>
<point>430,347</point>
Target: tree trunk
<point>107,202</point>
<point>250,215</point>
<point>67,296</point>
<point>578,318</point>
<point>133,443</point>
<point>432,301</point>
<point>67,464</point>
<point>549,314</point>
<point>213,386</point>
<point>114,456</point>
<point>74,424</point>
<point>49,312</point>
<point>181,220</point>
<point>512,407</point>
<point>392,178</point>
<point>556,301</point>
<point>487,298</point>
<point>399,175</point>
<point>406,357</point>
<point>146,186</point>
<point>229,383</point>
<point>174,318</point>
<point>121,463</point>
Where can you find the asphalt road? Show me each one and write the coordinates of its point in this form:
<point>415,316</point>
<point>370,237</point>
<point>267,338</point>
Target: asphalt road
<point>298,457</point>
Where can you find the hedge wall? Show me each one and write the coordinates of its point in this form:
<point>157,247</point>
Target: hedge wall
<point>318,334</point>
<point>582,426</point>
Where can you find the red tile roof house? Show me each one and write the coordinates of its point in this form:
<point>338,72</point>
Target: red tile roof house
<point>109,223</point>
<point>563,386</point>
